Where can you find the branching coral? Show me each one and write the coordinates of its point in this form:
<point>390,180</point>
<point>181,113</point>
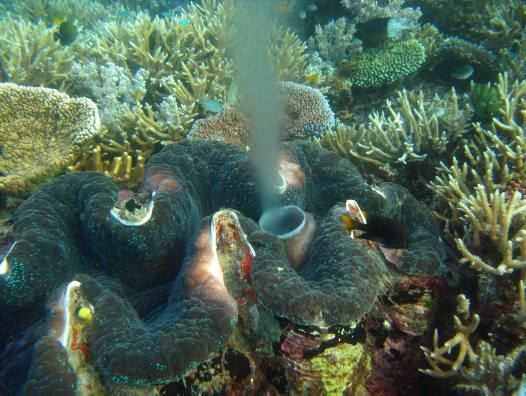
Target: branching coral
<point>493,216</point>
<point>83,12</point>
<point>41,132</point>
<point>29,55</point>
<point>412,130</point>
<point>484,371</point>
<point>335,41</point>
<point>501,24</point>
<point>152,75</point>
<point>494,156</point>
<point>482,215</point>
<point>367,9</point>
<point>442,365</point>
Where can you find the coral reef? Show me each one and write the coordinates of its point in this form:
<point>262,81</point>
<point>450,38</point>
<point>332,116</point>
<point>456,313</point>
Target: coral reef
<point>414,129</point>
<point>33,57</point>
<point>478,369</point>
<point>481,210</point>
<point>87,224</point>
<point>384,65</point>
<point>365,10</point>
<point>46,123</point>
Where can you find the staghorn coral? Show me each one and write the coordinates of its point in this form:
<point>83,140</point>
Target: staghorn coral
<point>486,222</point>
<point>484,371</point>
<point>501,24</point>
<point>84,12</point>
<point>29,54</point>
<point>46,123</point>
<point>365,10</point>
<point>334,42</point>
<point>384,65</point>
<point>187,58</point>
<point>495,217</point>
<point>414,129</point>
<point>442,365</point>
<point>494,155</point>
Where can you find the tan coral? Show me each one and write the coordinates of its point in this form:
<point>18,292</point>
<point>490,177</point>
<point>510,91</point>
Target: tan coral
<point>306,113</point>
<point>230,126</point>
<point>42,131</point>
<point>412,129</point>
<point>440,360</point>
<point>29,55</point>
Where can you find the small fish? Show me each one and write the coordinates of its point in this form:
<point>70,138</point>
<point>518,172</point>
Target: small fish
<point>312,78</point>
<point>464,72</point>
<point>66,33</point>
<point>138,95</point>
<point>213,105</point>
<point>57,20</point>
<point>124,13</point>
<point>312,7</point>
<point>382,230</point>
<point>184,22</point>
<point>302,14</point>
<point>378,30</point>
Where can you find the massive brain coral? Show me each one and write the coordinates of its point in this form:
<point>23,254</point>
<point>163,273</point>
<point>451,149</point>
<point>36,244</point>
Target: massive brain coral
<point>156,283</point>
<point>41,132</point>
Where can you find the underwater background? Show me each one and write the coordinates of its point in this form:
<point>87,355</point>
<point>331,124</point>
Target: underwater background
<point>262,197</point>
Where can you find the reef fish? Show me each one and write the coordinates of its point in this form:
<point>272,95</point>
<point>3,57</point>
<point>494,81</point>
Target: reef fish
<point>66,33</point>
<point>464,72</point>
<point>377,30</point>
<point>385,231</point>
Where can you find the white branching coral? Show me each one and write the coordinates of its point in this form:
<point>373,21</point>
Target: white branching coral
<point>116,93</point>
<point>369,9</point>
<point>412,129</point>
<point>335,41</point>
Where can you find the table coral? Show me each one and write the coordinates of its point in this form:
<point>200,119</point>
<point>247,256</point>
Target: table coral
<point>384,65</point>
<point>42,131</point>
<point>141,334</point>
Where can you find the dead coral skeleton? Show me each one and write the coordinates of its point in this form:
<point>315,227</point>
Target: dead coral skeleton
<point>443,365</point>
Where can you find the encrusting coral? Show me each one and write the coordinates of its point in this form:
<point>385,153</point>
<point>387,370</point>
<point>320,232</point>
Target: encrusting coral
<point>42,131</point>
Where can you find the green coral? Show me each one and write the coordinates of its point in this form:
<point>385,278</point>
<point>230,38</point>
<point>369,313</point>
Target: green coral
<point>384,65</point>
